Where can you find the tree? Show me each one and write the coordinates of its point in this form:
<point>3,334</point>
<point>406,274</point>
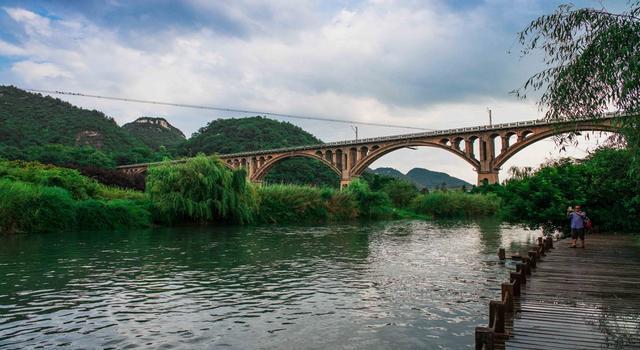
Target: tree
<point>593,65</point>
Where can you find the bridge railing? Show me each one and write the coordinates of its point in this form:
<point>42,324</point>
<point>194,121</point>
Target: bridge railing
<point>397,137</point>
<point>416,135</point>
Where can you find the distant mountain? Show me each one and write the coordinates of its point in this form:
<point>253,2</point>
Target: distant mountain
<point>424,178</point>
<point>431,179</point>
<point>391,172</point>
<point>155,132</point>
<point>28,119</point>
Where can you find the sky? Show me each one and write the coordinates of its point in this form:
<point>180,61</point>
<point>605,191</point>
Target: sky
<point>430,64</point>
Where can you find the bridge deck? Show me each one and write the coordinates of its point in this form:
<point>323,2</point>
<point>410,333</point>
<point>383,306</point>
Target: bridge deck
<point>582,298</point>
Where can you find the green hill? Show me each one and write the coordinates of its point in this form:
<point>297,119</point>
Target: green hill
<point>49,130</point>
<point>424,178</point>
<point>233,135</point>
<point>155,132</point>
<point>28,119</point>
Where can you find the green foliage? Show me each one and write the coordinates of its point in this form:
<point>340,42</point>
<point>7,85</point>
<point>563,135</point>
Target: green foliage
<point>43,198</point>
<point>594,56</point>
<point>291,203</point>
<point>155,132</point>
<point>28,119</point>
<point>225,136</point>
<point>79,186</point>
<point>400,192</point>
<point>456,204</point>
<point>59,155</point>
<point>602,184</point>
<point>375,181</point>
<point>200,190</point>
<point>26,207</point>
<point>371,204</point>
<point>302,171</point>
<point>593,59</point>
<point>295,203</point>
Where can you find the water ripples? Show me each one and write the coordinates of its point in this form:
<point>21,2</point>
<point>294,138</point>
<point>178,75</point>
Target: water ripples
<point>405,284</point>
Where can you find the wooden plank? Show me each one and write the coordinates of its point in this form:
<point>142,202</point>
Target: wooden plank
<point>581,298</point>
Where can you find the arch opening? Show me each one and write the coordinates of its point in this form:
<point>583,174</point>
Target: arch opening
<point>474,142</point>
<point>432,157</point>
<point>299,168</point>
<point>539,148</point>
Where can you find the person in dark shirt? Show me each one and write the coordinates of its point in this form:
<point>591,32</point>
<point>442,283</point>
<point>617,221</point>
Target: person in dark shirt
<point>577,218</point>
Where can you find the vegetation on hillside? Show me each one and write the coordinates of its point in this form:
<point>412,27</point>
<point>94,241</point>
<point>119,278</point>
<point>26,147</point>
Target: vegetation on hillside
<point>28,119</point>
<point>233,135</point>
<point>155,132</point>
<point>45,129</point>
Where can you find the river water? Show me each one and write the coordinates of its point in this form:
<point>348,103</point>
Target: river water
<point>386,285</point>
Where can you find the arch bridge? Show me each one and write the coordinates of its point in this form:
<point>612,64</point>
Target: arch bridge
<point>486,148</point>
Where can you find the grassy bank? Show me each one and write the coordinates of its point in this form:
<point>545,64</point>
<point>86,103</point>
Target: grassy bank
<point>41,198</point>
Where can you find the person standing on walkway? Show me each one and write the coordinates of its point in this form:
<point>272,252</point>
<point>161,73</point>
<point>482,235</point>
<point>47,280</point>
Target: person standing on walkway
<point>577,218</point>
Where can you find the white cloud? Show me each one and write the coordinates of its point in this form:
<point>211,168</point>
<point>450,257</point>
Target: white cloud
<point>7,49</point>
<point>33,71</point>
<point>34,24</point>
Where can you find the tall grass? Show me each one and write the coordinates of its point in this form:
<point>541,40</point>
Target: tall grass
<point>28,207</point>
<point>297,203</point>
<point>42,198</point>
<point>71,180</point>
<point>454,204</point>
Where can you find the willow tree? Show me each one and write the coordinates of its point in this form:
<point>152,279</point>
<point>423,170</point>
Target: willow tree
<point>200,190</point>
<point>592,59</point>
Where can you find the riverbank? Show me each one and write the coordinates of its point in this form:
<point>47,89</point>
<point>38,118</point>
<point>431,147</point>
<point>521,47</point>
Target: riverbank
<point>42,198</point>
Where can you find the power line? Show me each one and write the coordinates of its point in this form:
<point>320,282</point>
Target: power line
<point>222,109</point>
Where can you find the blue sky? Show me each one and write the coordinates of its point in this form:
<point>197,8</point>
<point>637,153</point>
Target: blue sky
<point>434,64</point>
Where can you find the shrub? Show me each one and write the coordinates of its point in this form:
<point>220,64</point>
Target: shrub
<point>291,203</point>
<point>79,186</point>
<point>454,204</point>
<point>371,205</point>
<point>400,192</point>
<point>200,190</point>
<point>26,207</point>
<point>95,214</point>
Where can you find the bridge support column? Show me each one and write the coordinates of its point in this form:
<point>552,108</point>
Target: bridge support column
<point>491,177</point>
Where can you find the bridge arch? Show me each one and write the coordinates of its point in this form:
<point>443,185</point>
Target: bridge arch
<point>532,137</point>
<point>374,155</point>
<point>262,171</point>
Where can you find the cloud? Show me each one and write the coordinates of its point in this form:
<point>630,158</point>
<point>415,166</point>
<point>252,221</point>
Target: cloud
<point>34,24</point>
<point>8,49</point>
<point>33,71</point>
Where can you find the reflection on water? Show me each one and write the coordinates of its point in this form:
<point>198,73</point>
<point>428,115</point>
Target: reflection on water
<point>402,284</point>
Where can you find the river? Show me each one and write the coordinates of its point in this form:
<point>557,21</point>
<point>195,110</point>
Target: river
<point>385,285</point>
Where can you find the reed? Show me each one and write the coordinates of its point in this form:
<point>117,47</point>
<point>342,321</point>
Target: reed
<point>455,204</point>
